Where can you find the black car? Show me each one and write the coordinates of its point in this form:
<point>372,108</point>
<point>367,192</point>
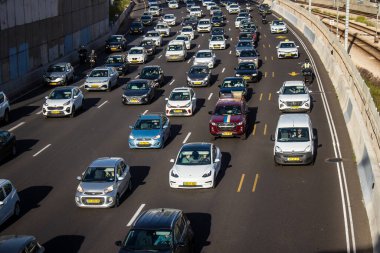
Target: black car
<point>218,14</point>
<point>147,20</point>
<point>190,21</point>
<point>136,27</point>
<point>7,145</point>
<point>20,244</point>
<point>247,70</point>
<point>199,75</point>
<point>119,62</point>
<point>138,91</point>
<point>217,21</point>
<point>159,230</point>
<point>264,9</point>
<point>217,31</point>
<point>153,73</point>
<point>116,43</point>
<point>149,46</point>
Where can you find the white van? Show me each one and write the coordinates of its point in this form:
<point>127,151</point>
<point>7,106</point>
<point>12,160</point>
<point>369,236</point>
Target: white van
<point>294,140</point>
<point>176,51</point>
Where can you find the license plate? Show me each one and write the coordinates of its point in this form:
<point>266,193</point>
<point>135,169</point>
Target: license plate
<point>198,83</point>
<point>95,86</point>
<point>93,201</point>
<point>295,107</point>
<point>55,112</point>
<point>53,83</point>
<point>144,143</point>
<point>227,133</point>
<point>293,159</point>
<point>288,55</point>
<point>189,183</point>
<point>134,100</point>
<point>246,77</point>
<point>178,111</point>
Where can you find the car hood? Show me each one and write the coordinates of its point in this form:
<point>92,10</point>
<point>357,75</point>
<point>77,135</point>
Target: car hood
<point>278,26</point>
<point>178,103</point>
<point>197,76</point>
<point>135,92</point>
<point>287,49</point>
<point>298,97</point>
<point>246,71</point>
<point>54,74</point>
<point>227,118</point>
<point>95,186</point>
<point>97,79</point>
<point>56,102</point>
<point>293,146</point>
<point>145,133</point>
<point>192,171</point>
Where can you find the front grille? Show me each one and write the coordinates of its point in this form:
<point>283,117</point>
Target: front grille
<point>294,103</point>
<point>226,126</point>
<point>93,193</point>
<point>55,108</point>
<point>143,139</point>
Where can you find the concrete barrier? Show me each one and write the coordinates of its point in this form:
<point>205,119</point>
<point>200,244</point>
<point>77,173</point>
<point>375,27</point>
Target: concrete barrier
<point>359,110</point>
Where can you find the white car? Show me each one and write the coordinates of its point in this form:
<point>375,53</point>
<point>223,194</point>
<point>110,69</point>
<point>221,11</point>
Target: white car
<point>162,28</point>
<point>186,39</point>
<point>196,11</point>
<point>101,78</point>
<point>233,9</point>
<point>294,96</point>
<point>209,5</point>
<point>137,55</point>
<point>287,49</point>
<point>205,57</point>
<point>204,25</point>
<point>181,102</point>
<point>238,21</point>
<point>155,36</point>
<point>189,31</point>
<point>176,51</point>
<point>154,11</point>
<point>197,166</point>
<point>169,19</point>
<point>206,2</point>
<point>173,4</point>
<point>217,42</point>
<point>278,26</point>
<point>63,101</point>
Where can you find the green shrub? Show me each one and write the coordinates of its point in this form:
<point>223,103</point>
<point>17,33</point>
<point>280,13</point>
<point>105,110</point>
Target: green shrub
<point>117,8</point>
<point>373,84</point>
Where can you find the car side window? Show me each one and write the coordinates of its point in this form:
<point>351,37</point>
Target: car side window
<point>8,189</point>
<point>2,194</point>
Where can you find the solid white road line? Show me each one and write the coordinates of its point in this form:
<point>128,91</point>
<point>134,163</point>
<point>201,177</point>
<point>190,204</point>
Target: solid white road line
<point>38,113</point>
<point>223,70</point>
<point>159,56</point>
<point>105,102</point>
<point>16,126</point>
<point>172,82</point>
<point>145,112</point>
<point>209,97</point>
<point>135,215</point>
<point>36,154</point>
<point>187,137</point>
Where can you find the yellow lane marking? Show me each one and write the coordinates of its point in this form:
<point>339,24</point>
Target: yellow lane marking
<point>272,74</point>
<point>281,37</point>
<point>254,129</point>
<point>241,183</point>
<point>265,129</point>
<point>255,183</point>
<point>269,96</point>
<point>265,74</point>
<point>261,96</point>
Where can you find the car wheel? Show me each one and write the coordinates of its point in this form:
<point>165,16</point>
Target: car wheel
<point>6,117</point>
<point>243,136</point>
<point>130,185</point>
<point>17,210</point>
<point>109,87</point>
<point>117,200</point>
<point>72,112</point>
<point>14,150</point>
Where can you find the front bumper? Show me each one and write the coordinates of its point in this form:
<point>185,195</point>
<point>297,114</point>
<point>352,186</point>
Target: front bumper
<point>287,55</point>
<point>191,183</point>
<point>217,46</point>
<point>135,60</point>
<point>177,111</point>
<point>293,158</point>
<point>96,86</point>
<point>95,201</point>
<point>57,111</point>
<point>135,100</point>
<point>219,131</point>
<point>197,83</point>
<point>294,107</point>
<point>164,33</point>
<point>248,78</point>
<point>56,81</point>
<point>175,57</point>
<point>278,30</point>
<point>144,143</point>
<point>204,29</point>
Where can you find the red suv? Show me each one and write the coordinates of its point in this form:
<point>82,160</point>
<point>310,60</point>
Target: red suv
<point>229,118</point>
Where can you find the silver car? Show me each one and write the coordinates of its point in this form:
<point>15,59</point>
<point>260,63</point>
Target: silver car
<point>137,55</point>
<point>155,36</point>
<point>102,78</point>
<point>294,96</point>
<point>163,29</point>
<point>9,201</point>
<point>205,57</point>
<point>59,74</point>
<point>4,108</point>
<point>244,45</point>
<point>217,42</point>
<point>103,183</point>
<point>204,25</point>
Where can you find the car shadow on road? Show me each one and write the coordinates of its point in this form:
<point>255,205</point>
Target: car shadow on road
<point>200,103</point>
<point>249,94</point>
<point>89,103</point>
<point>20,112</point>
<point>175,130</point>
<point>226,159</point>
<point>201,224</point>
<point>138,173</point>
<point>21,147</point>
<point>159,93</point>
<point>167,80</point>
<point>64,244</point>
<point>213,79</point>
<point>251,120</point>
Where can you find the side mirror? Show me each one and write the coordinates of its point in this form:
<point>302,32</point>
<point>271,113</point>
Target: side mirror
<point>310,91</point>
<point>276,46</point>
<point>118,243</point>
<point>165,126</point>
<point>1,203</point>
<point>76,96</point>
<point>314,137</point>
<point>130,127</point>
<point>79,178</point>
<point>217,160</point>
<point>194,99</point>
<point>278,92</point>
<point>272,137</point>
<point>298,46</point>
<point>172,160</point>
<point>120,178</point>
<point>87,75</point>
<point>210,112</point>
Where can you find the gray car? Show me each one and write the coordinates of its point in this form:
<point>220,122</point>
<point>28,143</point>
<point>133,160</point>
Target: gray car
<point>199,75</point>
<point>9,201</point>
<point>102,78</point>
<point>59,74</point>
<point>244,45</point>
<point>103,183</point>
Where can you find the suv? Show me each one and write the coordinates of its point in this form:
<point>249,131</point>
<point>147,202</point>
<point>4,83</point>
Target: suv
<point>229,118</point>
<point>20,244</point>
<point>294,96</point>
<point>9,201</point>
<point>161,229</point>
<point>4,108</point>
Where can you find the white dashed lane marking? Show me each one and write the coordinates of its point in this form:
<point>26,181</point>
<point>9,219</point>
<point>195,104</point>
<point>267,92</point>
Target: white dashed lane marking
<point>16,126</point>
<point>39,152</point>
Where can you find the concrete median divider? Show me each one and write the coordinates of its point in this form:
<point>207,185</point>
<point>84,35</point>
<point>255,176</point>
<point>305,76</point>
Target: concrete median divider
<point>359,110</point>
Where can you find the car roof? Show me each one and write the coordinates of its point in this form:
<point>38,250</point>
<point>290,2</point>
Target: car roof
<point>160,218</point>
<point>14,243</point>
<point>64,88</point>
<point>101,68</point>
<point>105,162</point>
<point>293,120</point>
<point>294,83</point>
<point>61,64</point>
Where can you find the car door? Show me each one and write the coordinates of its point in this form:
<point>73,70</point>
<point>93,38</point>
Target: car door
<point>216,155</point>
<point>121,184</point>
<point>10,198</point>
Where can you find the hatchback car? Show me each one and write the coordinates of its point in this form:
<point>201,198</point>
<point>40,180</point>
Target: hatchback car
<point>233,85</point>
<point>154,73</point>
<point>116,43</point>
<point>159,230</point>
<point>103,183</point>
<point>170,19</point>
<point>137,55</point>
<point>20,244</point>
<point>136,27</point>
<point>197,166</point>
<point>63,101</point>
<point>155,36</point>
<point>9,201</point>
<point>247,70</point>
<point>102,78</point>
<point>149,46</point>
<point>176,51</point>
<point>294,96</point>
<point>7,144</point>
<point>119,62</point>
<point>181,102</point>
<point>205,57</point>
<point>59,74</point>
<point>198,76</point>
<point>138,91</point>
<point>150,131</point>
<point>287,49</point>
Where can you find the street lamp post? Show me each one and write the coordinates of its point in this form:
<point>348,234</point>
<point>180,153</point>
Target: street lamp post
<point>347,25</point>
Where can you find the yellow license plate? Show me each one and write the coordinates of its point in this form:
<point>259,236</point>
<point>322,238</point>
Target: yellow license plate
<point>113,48</point>
<point>178,111</point>
<point>53,83</point>
<point>144,143</point>
<point>246,77</point>
<point>295,107</point>
<point>198,83</point>
<point>293,159</point>
<point>93,201</point>
<point>134,100</point>
<point>288,55</point>
<point>55,112</point>
<point>227,133</point>
<point>95,86</point>
<point>190,183</point>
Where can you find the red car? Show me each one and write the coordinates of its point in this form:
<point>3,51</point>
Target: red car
<point>229,118</point>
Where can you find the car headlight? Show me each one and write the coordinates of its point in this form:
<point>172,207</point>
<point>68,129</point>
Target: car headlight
<point>131,137</point>
<point>254,74</point>
<point>188,104</point>
<point>207,174</point>
<point>213,123</point>
<point>278,149</point>
<point>62,76</point>
<point>145,95</point>
<point>173,173</point>
<point>237,74</point>
<point>188,79</point>
<point>67,103</point>
<point>108,189</point>
<point>46,104</point>
<point>157,137</point>
<point>205,79</point>
<point>79,188</point>
<point>240,123</point>
<point>308,149</point>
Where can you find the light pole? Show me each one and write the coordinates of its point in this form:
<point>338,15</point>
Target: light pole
<point>347,25</point>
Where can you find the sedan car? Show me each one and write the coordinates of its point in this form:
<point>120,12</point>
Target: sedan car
<point>198,76</point>
<point>197,166</point>
<point>233,87</point>
<point>155,36</point>
<point>137,55</point>
<point>59,74</point>
<point>119,62</point>
<point>204,25</point>
<point>103,183</point>
<point>217,21</point>
<point>136,27</point>
<point>233,9</point>
<point>147,19</point>
<point>7,144</point>
<point>294,96</point>
<point>246,36</point>
<point>149,46</point>
<point>247,70</point>
<point>138,91</point>
<point>278,26</point>
<point>244,45</point>
<point>173,4</point>
<point>190,21</point>
<point>186,39</point>
<point>63,101</point>
<point>163,29</point>
<point>102,78</point>
<point>181,102</point>
<point>217,42</point>
<point>205,57</point>
<point>20,244</point>
<point>187,30</point>
<point>116,43</point>
<point>153,73</point>
<point>218,14</point>
<point>249,56</point>
<point>150,131</point>
<point>155,11</point>
<point>9,201</point>
<point>213,9</point>
<point>287,49</point>
<point>264,9</point>
<point>170,19</point>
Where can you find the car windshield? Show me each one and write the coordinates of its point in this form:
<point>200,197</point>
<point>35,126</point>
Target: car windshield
<point>149,73</point>
<point>60,94</point>
<point>99,73</point>
<point>114,39</point>
<point>244,44</point>
<point>287,45</point>
<point>146,43</point>
<point>146,17</point>
<point>293,134</point>
<point>187,30</point>
<point>248,53</point>
<point>198,70</point>
<point>292,90</point>
<point>222,110</point>
<point>277,22</point>
<point>152,34</point>
<point>217,38</point>
<point>137,86</point>
<point>168,16</point>
<point>184,38</point>
<point>195,9</point>
<point>135,51</point>
<point>174,47</point>
<point>194,157</point>
<point>203,55</point>
<point>161,26</point>
<point>56,68</point>
<point>114,59</point>
<point>232,83</point>
<point>247,66</point>
<point>245,36</point>
<point>147,124</point>
<point>179,96</point>
<point>234,6</point>
<point>204,22</point>
<point>148,240</point>
<point>135,24</point>
<point>99,174</point>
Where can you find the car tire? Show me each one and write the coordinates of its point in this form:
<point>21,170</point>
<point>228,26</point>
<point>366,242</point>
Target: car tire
<point>72,114</point>
<point>117,200</point>
<point>243,136</point>
<point>6,117</point>
<point>17,210</point>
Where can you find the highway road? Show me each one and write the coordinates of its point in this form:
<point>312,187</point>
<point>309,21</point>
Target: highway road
<point>256,206</point>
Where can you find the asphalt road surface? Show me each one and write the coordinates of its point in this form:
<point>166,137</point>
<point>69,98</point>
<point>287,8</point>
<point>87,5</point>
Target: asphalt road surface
<point>255,207</point>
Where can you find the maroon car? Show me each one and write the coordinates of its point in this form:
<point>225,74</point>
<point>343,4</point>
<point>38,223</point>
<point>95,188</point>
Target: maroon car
<point>229,118</point>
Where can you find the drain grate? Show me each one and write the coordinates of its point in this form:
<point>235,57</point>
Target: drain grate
<point>333,160</point>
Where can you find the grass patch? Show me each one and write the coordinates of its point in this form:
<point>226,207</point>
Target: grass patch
<point>117,8</point>
<point>364,20</point>
<point>373,84</point>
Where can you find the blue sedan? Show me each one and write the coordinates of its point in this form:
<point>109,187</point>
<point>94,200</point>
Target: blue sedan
<point>150,131</point>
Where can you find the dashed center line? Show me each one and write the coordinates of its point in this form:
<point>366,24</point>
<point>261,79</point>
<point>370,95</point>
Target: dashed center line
<point>16,126</point>
<point>261,96</point>
<point>136,76</point>
<point>269,96</point>
<point>159,56</point>
<point>265,129</point>
<point>241,183</point>
<point>231,39</point>
<point>230,51</point>
<point>223,70</point>
<point>187,137</point>
<point>265,74</point>
<point>265,58</point>
<point>105,102</point>
<point>38,113</point>
<point>199,46</point>
<point>254,129</point>
<point>145,112</point>
<point>209,97</point>
<point>263,46</point>
<point>265,36</point>
<point>172,82</point>
<point>134,217</point>
<point>39,152</point>
<point>189,60</point>
<point>269,45</point>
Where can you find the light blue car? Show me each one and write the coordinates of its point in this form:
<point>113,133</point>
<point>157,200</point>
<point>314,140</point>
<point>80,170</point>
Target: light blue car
<point>150,131</point>
<point>9,201</point>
